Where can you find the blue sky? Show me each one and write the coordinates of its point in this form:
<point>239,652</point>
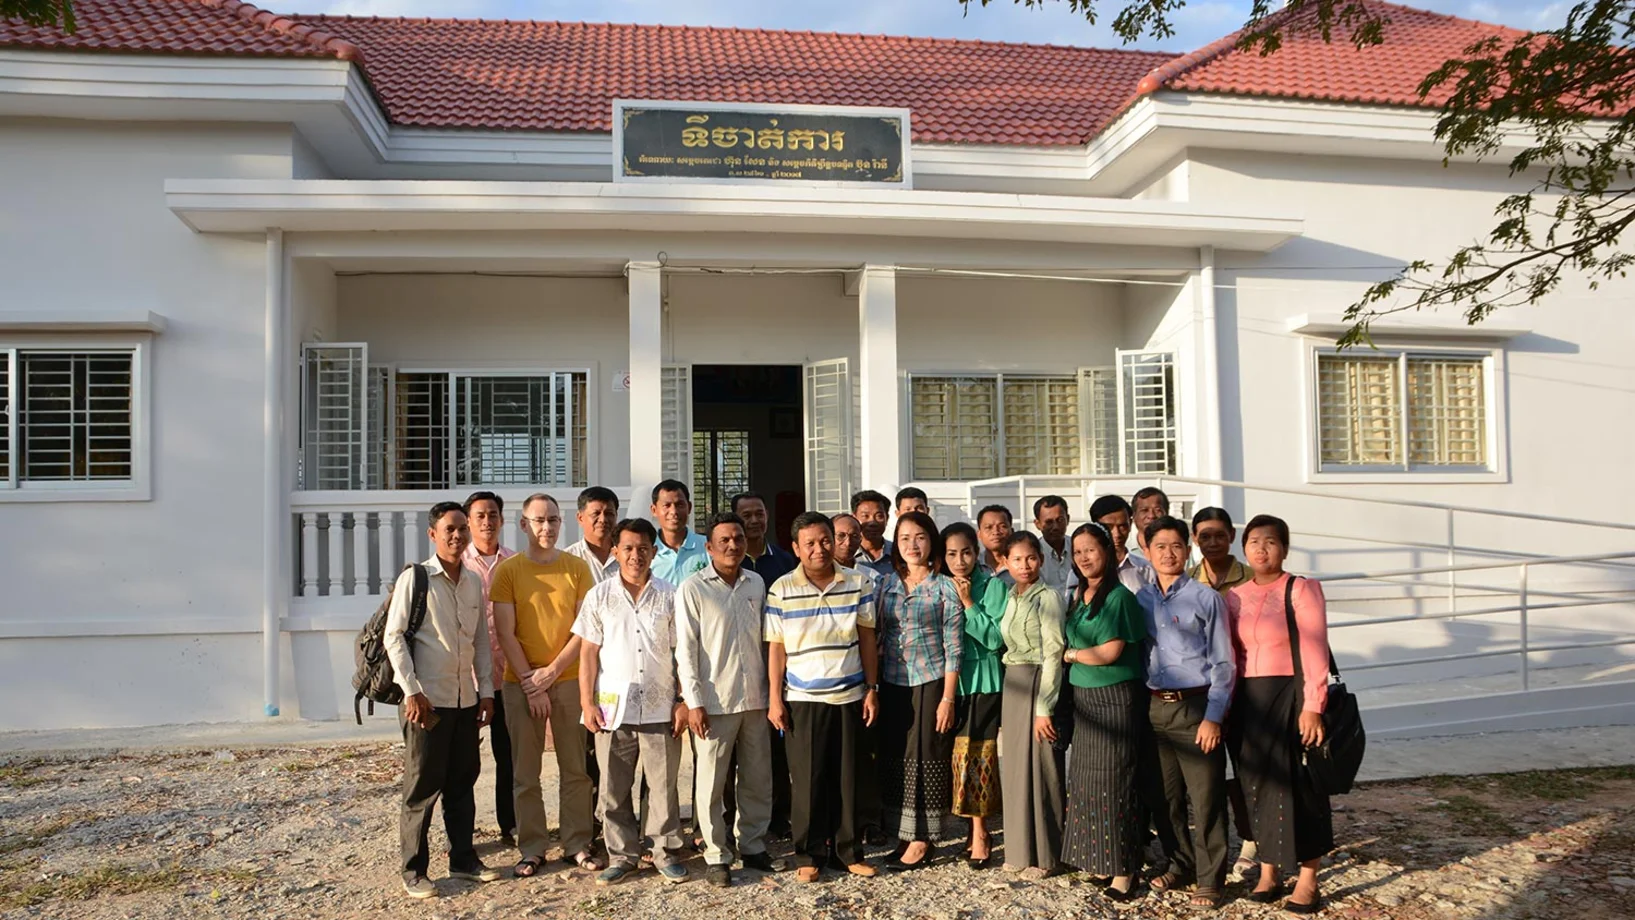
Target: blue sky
<point>1003,20</point>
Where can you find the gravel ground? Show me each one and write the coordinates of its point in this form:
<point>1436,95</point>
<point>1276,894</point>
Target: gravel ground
<point>311,833</point>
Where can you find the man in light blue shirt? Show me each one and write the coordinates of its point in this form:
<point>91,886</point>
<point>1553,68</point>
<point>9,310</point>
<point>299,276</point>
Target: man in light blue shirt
<point>1190,672</point>
<point>679,547</point>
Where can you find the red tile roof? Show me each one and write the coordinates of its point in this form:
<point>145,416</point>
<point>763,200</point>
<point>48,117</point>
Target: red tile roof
<point>225,27</point>
<point>1306,67</point>
<point>552,76</point>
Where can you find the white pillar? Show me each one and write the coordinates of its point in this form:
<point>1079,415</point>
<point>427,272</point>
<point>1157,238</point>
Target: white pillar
<point>646,373</point>
<point>1208,391</point>
<point>275,581</point>
<point>877,377</point>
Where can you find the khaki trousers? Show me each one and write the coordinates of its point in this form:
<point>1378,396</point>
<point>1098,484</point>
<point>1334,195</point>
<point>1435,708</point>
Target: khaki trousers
<point>749,735</point>
<point>527,754</point>
<point>656,753</point>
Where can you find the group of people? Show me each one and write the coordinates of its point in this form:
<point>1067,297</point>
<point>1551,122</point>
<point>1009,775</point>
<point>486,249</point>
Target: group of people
<point>1088,692</point>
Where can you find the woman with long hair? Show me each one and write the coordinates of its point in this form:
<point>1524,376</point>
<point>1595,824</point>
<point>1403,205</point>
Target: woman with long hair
<point>1105,629</point>
<point>1029,778</point>
<point>981,681</point>
<point>1277,710</point>
<point>921,637</point>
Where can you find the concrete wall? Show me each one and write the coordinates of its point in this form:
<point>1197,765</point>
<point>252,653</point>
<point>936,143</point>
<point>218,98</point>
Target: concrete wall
<point>83,226</point>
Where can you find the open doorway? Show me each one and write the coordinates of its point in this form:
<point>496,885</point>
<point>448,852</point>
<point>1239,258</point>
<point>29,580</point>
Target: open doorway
<point>747,424</point>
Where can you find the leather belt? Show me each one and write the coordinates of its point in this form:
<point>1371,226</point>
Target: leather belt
<point>1176,696</point>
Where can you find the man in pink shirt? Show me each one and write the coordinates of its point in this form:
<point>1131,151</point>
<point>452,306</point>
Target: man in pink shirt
<point>486,511</point>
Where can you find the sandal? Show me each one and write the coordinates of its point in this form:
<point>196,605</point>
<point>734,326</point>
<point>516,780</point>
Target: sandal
<point>527,867</point>
<point>584,860</point>
<point>1206,897</point>
<point>1169,881</point>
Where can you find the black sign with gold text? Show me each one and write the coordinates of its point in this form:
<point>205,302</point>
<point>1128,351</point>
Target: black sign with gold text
<point>731,144</point>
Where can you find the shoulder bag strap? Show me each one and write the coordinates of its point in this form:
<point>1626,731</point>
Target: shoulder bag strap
<point>1294,631</point>
<point>417,602</point>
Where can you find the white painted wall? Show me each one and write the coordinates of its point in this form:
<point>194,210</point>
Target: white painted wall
<point>83,225</point>
<point>1000,324</point>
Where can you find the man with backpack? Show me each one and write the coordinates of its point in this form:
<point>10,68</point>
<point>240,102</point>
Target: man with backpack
<point>441,660</point>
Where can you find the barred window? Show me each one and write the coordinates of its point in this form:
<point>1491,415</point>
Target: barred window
<point>979,427</point>
<point>1401,411</point>
<point>457,430</point>
<point>67,417</point>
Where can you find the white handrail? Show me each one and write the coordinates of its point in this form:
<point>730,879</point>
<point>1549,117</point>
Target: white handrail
<point>1472,567</point>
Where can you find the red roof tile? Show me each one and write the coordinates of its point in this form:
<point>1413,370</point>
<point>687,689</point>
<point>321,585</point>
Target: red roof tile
<point>1306,67</point>
<point>216,27</point>
<point>552,76</point>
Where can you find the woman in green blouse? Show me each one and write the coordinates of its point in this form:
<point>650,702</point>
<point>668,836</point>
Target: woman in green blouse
<point>1105,630</point>
<point>1029,779</point>
<point>976,740</point>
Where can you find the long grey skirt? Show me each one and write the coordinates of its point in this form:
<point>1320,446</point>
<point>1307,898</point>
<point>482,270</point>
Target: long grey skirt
<point>1029,782</point>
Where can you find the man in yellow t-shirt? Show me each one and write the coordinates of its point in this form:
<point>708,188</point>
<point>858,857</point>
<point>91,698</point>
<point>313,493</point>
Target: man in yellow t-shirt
<point>536,596</point>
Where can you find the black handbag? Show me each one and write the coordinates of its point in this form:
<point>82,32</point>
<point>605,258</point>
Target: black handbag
<point>1332,766</point>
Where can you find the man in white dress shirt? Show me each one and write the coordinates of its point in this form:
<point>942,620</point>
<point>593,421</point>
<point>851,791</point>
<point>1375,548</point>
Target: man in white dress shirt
<point>598,513</point>
<point>627,684</point>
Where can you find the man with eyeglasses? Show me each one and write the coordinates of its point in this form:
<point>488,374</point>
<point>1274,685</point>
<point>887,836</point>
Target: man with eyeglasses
<point>536,595</point>
<point>486,512</point>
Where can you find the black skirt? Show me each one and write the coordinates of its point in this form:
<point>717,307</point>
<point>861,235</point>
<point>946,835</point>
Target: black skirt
<point>1291,819</point>
<point>915,761</point>
<point>1103,812</point>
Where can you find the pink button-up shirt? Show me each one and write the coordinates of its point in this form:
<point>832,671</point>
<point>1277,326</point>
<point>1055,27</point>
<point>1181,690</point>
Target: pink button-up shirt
<point>1260,634</point>
<point>483,567</point>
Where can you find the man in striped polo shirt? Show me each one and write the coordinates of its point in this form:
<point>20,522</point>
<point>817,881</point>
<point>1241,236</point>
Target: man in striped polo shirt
<point>822,658</point>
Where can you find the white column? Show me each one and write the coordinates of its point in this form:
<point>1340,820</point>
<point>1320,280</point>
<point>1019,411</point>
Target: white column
<point>877,378</point>
<point>275,581</point>
<point>646,369</point>
<point>1207,393</point>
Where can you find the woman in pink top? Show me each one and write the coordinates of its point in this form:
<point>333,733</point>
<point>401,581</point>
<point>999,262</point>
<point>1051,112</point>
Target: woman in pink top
<point>1274,713</point>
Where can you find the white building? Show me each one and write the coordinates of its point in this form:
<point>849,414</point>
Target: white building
<point>274,286</point>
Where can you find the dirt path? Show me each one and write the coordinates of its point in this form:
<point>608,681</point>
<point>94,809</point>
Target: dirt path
<point>311,834</point>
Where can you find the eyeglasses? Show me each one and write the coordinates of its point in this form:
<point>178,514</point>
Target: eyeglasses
<point>542,521</point>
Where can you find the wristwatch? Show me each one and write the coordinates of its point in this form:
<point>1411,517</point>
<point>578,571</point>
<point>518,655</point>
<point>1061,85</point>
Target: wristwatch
<point>871,688</point>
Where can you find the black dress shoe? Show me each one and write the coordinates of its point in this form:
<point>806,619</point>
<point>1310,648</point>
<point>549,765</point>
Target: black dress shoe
<point>1306,909</point>
<point>1269,896</point>
<point>760,862</point>
<point>982,863</point>
<point>1122,897</point>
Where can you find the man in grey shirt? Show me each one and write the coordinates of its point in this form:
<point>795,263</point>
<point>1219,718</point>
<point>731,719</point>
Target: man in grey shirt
<point>722,675</point>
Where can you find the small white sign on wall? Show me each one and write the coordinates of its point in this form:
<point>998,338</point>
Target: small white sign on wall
<point>621,381</point>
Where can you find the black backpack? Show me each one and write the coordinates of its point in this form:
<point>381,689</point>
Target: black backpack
<point>373,678</point>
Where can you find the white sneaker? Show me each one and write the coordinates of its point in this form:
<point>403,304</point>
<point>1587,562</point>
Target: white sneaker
<point>420,888</point>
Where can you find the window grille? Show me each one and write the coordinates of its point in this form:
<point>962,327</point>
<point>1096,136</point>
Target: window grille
<point>1098,412</point>
<point>334,402</point>
<point>1147,411</point>
<point>831,439</point>
<point>1401,411</point>
<point>956,427</point>
<point>676,416</point>
<point>1041,426</point>
<point>74,416</point>
<point>6,413</point>
<point>720,471</point>
<point>367,427</point>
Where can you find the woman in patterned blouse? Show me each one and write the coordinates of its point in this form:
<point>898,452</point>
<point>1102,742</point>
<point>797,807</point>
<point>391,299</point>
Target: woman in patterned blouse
<point>921,624</point>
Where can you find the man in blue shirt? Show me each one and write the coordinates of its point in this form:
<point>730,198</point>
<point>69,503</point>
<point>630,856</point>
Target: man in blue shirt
<point>679,547</point>
<point>1191,672</point>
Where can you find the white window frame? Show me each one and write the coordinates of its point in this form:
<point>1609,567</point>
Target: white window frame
<point>138,488</point>
<point>1494,382</point>
<point>592,412</point>
<point>999,378</point>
